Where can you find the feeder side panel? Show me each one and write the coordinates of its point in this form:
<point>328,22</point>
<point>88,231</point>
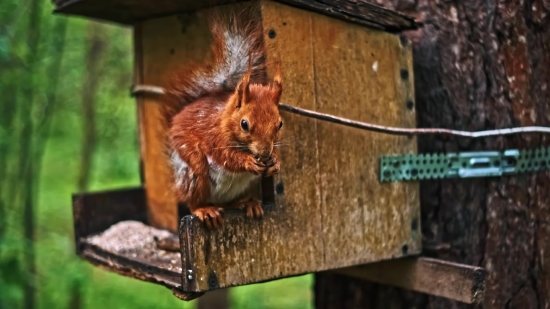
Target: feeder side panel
<point>330,210</point>
<point>287,240</point>
<point>167,43</point>
<point>358,75</point>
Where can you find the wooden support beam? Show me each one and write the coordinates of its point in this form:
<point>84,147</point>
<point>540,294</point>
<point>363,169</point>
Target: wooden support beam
<point>458,282</point>
<point>186,296</point>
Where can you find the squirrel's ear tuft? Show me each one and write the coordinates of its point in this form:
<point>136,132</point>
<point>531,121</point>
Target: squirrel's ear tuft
<point>277,87</point>
<point>243,90</point>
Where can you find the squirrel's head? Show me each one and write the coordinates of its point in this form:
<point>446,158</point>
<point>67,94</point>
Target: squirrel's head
<point>254,120</point>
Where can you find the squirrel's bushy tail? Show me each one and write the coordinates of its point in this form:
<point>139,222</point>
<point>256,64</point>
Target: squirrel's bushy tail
<point>237,38</point>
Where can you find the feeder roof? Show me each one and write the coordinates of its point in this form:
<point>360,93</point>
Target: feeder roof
<point>131,11</point>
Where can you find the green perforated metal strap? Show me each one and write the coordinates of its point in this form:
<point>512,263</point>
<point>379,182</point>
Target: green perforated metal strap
<point>463,164</point>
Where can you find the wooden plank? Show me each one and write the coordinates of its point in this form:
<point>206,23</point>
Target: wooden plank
<point>166,43</point>
<point>327,213</point>
<point>405,102</point>
<point>247,251</point>
<point>359,12</point>
<point>95,212</point>
<point>357,75</point>
<point>128,248</point>
<point>458,282</point>
<point>299,208</point>
<point>131,11</point>
<point>110,232</point>
<point>138,79</point>
<point>330,210</point>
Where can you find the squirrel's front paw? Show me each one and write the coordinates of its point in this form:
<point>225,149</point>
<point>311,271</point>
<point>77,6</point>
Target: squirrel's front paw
<point>211,216</point>
<point>254,166</point>
<point>273,167</point>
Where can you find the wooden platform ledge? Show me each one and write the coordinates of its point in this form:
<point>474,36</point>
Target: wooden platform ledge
<point>458,282</point>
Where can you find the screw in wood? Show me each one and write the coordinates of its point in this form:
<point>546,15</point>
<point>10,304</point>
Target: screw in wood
<point>404,74</point>
<point>280,188</point>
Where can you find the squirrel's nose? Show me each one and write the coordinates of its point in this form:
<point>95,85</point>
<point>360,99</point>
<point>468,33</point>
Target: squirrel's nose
<point>264,157</point>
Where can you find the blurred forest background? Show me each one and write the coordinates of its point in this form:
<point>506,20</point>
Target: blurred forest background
<point>68,124</point>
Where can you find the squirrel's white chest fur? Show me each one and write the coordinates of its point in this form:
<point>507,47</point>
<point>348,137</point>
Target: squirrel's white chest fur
<point>225,186</point>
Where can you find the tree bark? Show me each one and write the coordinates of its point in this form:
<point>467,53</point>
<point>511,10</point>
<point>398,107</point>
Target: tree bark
<point>478,65</point>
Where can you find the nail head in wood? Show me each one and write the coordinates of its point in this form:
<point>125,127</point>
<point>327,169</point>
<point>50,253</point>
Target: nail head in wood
<point>404,74</point>
<point>280,188</point>
<point>272,34</point>
<point>213,283</point>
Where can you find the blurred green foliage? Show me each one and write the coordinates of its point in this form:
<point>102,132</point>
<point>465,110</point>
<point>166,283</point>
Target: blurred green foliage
<point>55,120</point>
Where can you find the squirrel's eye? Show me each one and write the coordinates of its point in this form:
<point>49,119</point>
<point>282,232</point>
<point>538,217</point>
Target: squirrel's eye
<point>280,125</point>
<point>244,125</point>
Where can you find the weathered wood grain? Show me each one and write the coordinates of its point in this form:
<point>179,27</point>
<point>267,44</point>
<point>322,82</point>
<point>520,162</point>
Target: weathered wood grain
<point>454,281</point>
<point>129,248</point>
<point>166,43</point>
<point>95,212</point>
<point>405,101</point>
<point>357,75</point>
<point>131,11</point>
<point>111,232</point>
<point>138,79</point>
<point>359,12</point>
<point>300,208</point>
<point>248,251</point>
<point>330,210</point>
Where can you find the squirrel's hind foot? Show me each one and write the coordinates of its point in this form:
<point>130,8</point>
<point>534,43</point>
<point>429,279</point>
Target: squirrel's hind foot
<point>253,208</point>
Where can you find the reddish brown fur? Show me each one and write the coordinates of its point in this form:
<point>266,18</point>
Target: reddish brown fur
<point>210,126</point>
<point>181,84</point>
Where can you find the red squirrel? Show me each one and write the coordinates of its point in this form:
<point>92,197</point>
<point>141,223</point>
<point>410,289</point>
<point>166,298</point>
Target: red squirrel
<point>224,123</point>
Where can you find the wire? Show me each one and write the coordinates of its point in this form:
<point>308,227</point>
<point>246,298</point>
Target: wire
<point>138,89</point>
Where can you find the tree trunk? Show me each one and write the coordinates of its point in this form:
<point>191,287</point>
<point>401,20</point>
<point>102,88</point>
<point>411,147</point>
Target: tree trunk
<point>478,65</point>
<point>218,299</point>
<point>26,170</point>
<point>93,58</point>
<point>75,298</point>
<point>9,66</point>
<point>56,52</point>
<point>7,112</point>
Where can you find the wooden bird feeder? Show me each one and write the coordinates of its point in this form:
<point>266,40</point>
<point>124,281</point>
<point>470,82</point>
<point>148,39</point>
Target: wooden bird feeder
<point>326,210</point>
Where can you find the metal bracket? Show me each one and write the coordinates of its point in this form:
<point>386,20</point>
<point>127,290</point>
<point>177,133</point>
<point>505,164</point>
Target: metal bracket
<point>463,164</point>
